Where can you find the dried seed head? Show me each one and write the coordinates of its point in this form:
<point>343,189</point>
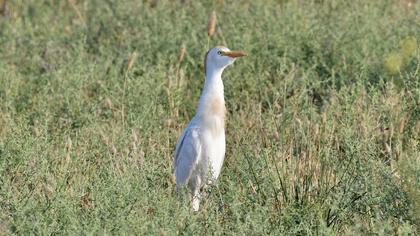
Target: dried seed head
<point>126,152</point>
<point>172,179</point>
<point>108,103</point>
<point>401,125</point>
<point>315,130</point>
<point>181,53</point>
<point>47,190</point>
<point>69,144</point>
<point>68,158</point>
<point>135,135</point>
<point>86,200</point>
<point>416,130</point>
<point>212,24</point>
<point>388,148</point>
<point>140,158</point>
<point>114,149</point>
<point>134,147</point>
<point>324,118</point>
<point>36,132</point>
<point>104,139</point>
<point>131,59</point>
<point>299,122</point>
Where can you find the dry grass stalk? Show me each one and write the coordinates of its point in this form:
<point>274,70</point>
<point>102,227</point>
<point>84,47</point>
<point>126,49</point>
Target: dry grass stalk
<point>170,123</point>
<point>131,59</point>
<point>219,34</point>
<point>211,27</point>
<point>5,9</point>
<point>135,135</point>
<point>67,160</point>
<point>69,144</point>
<point>79,15</point>
<point>181,53</point>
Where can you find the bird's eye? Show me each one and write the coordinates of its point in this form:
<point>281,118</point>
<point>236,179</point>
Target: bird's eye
<point>219,52</point>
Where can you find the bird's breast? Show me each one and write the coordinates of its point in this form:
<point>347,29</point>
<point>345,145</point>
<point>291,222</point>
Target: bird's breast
<point>214,116</point>
<point>217,107</point>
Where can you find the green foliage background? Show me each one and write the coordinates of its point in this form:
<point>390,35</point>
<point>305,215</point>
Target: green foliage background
<point>323,131</point>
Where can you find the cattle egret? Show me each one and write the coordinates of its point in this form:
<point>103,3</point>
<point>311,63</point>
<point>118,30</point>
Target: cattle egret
<point>200,150</point>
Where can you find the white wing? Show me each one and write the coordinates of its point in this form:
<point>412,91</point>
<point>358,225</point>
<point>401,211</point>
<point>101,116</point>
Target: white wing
<point>187,154</point>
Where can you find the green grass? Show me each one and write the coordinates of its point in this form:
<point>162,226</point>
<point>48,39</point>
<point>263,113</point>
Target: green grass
<point>323,131</point>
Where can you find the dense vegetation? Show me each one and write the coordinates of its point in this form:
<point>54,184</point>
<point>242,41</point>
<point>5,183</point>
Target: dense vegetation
<point>323,131</point>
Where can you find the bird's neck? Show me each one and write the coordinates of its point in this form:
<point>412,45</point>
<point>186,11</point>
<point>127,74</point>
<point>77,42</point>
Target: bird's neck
<point>212,102</point>
<point>213,85</point>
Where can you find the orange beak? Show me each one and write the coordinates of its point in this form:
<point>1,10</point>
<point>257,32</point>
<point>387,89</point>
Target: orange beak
<point>234,54</point>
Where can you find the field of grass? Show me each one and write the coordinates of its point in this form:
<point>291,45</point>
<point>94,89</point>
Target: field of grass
<point>323,129</point>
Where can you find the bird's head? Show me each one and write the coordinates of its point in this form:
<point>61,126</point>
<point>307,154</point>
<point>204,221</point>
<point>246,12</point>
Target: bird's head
<point>220,57</point>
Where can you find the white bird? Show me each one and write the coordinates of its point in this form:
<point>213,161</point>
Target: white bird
<point>200,150</point>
